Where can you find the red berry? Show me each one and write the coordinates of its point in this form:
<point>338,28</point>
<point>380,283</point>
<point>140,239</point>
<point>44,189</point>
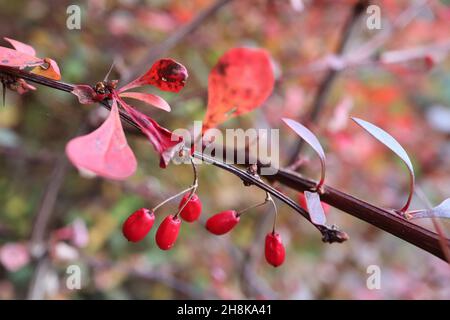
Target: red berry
<point>302,203</point>
<point>167,233</point>
<point>274,249</point>
<point>138,224</point>
<point>222,222</point>
<point>192,210</point>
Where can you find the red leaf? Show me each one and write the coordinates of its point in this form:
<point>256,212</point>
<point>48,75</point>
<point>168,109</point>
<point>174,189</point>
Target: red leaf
<point>240,82</point>
<point>104,151</point>
<point>151,99</point>
<point>25,56</point>
<point>166,74</point>
<point>21,47</point>
<point>164,141</point>
<point>85,94</point>
<point>14,58</point>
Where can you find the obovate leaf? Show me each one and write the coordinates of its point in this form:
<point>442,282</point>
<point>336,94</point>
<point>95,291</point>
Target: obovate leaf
<point>389,141</point>
<point>240,82</point>
<point>165,74</point>
<point>104,151</point>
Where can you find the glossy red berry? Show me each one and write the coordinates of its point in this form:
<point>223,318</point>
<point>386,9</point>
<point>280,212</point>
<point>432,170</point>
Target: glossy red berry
<point>192,210</point>
<point>274,249</point>
<point>138,224</point>
<point>302,203</point>
<point>222,222</point>
<point>167,233</point>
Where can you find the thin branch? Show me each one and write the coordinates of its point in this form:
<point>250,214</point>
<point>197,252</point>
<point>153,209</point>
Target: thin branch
<point>379,217</point>
<point>329,234</point>
<point>42,221</point>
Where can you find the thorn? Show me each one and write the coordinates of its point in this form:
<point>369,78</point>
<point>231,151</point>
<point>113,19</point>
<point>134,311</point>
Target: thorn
<point>109,71</point>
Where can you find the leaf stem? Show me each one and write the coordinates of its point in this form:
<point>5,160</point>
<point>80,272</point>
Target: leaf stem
<point>194,187</point>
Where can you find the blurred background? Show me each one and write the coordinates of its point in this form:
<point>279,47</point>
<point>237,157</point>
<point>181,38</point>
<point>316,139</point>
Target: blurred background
<point>396,77</point>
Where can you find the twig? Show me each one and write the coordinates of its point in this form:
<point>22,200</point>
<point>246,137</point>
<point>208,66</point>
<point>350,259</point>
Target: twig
<point>38,237</point>
<point>329,234</point>
<point>379,217</point>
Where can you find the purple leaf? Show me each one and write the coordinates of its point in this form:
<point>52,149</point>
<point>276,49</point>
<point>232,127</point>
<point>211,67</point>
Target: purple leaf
<point>315,209</point>
<point>311,139</point>
<point>386,139</point>
<point>440,211</point>
<point>85,94</point>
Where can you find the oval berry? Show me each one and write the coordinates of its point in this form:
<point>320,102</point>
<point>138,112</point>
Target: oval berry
<point>274,249</point>
<point>222,222</point>
<point>138,224</point>
<point>193,208</point>
<point>167,233</point>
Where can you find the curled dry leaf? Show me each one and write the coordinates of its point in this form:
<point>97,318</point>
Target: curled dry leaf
<point>311,139</point>
<point>51,70</point>
<point>440,211</point>
<point>164,141</point>
<point>85,94</point>
<point>104,151</point>
<point>148,98</point>
<point>165,74</point>
<point>240,82</point>
<point>315,209</point>
<point>389,141</point>
<point>24,55</point>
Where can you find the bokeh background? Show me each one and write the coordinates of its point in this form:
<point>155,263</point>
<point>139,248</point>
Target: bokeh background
<point>51,217</point>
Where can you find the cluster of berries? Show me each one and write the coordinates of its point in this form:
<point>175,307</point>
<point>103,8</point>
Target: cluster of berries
<point>138,225</point>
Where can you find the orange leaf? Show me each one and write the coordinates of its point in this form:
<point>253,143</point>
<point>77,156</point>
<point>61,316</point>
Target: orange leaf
<point>240,82</point>
<point>51,71</point>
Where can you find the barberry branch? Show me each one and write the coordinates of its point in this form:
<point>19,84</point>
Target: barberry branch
<point>379,217</point>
